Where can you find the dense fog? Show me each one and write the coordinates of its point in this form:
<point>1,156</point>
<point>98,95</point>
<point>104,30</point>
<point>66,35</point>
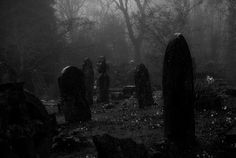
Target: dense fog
<point>117,78</point>
<point>44,36</point>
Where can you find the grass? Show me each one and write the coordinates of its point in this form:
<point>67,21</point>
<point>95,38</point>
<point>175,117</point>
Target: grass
<point>123,119</point>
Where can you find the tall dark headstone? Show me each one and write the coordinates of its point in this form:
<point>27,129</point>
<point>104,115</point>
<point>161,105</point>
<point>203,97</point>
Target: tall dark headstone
<point>89,79</point>
<point>73,95</point>
<point>143,86</point>
<point>178,92</point>
<point>103,81</point>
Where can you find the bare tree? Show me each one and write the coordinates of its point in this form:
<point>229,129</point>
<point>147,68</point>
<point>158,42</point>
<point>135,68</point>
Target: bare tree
<point>164,19</point>
<point>69,13</point>
<point>136,33</point>
<point>69,9</point>
<point>106,6</point>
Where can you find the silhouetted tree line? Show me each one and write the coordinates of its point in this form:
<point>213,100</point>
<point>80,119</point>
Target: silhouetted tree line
<point>44,36</point>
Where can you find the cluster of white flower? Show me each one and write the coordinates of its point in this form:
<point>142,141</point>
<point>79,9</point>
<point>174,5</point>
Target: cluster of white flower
<point>210,79</point>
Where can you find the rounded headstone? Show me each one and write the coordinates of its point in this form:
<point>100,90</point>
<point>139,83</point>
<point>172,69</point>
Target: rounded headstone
<point>73,94</point>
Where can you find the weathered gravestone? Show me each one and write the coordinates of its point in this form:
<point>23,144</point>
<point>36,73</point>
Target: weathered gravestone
<point>25,126</point>
<point>103,81</point>
<point>143,86</point>
<point>73,95</point>
<point>178,92</point>
<point>89,79</point>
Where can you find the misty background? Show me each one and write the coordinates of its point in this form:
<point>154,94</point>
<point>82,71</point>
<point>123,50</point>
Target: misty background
<point>39,38</point>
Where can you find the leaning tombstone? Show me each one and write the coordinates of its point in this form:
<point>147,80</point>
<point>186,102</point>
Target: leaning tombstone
<point>25,126</point>
<point>178,92</point>
<point>89,79</point>
<point>103,81</point>
<point>143,86</point>
<point>72,90</point>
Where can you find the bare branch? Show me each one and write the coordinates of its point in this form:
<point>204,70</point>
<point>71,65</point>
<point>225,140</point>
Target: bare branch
<point>195,5</point>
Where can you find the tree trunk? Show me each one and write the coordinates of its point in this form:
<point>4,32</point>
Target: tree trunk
<point>137,51</point>
<point>135,39</point>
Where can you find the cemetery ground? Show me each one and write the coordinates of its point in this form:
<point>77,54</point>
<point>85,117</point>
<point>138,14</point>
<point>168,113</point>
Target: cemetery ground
<point>123,119</point>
